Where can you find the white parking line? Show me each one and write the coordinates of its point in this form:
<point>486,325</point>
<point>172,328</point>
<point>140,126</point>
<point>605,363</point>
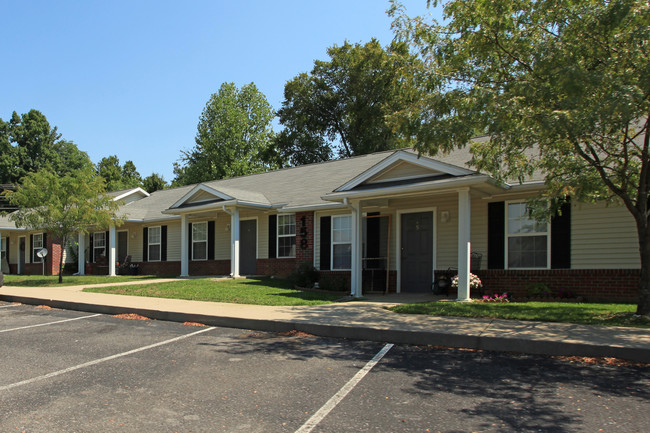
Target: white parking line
<point>336,398</point>
<point>97,361</point>
<point>49,323</point>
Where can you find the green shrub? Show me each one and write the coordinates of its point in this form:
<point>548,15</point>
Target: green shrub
<point>334,282</point>
<point>538,290</point>
<point>304,275</point>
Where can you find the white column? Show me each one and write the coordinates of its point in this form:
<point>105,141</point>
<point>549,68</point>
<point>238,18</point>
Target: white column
<point>111,252</point>
<point>185,262</point>
<point>234,241</point>
<point>464,245</point>
<point>357,268</point>
<point>81,255</point>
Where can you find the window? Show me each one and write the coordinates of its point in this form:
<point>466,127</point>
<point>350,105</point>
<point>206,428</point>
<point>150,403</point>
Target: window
<point>153,244</point>
<point>526,239</point>
<point>37,244</point>
<point>342,242</point>
<point>3,248</point>
<point>287,235</point>
<point>99,244</point>
<point>200,241</point>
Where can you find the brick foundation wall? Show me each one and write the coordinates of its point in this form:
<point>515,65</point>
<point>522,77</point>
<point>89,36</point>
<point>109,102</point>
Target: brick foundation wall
<point>617,285</point>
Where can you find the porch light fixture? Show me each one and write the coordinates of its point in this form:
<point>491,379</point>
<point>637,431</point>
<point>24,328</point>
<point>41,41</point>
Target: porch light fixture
<point>444,216</point>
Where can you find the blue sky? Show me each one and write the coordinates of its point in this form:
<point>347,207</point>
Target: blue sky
<point>130,78</point>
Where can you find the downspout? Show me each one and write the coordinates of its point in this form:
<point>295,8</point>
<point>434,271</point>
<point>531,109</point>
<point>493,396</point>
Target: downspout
<point>234,241</point>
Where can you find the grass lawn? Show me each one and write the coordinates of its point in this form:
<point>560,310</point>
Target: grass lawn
<point>257,291</point>
<point>68,280</point>
<point>587,314</point>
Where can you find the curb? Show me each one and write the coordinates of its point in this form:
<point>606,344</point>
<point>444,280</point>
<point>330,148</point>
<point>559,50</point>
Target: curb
<point>497,344</point>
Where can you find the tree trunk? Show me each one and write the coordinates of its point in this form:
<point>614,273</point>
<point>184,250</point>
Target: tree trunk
<point>643,307</point>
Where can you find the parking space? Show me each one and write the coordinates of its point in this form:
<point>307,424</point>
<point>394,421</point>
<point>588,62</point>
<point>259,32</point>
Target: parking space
<point>78,372</point>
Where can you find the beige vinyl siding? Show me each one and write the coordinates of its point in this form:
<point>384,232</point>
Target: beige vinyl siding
<point>603,237</point>
<point>263,236</point>
<point>173,241</point>
<point>222,237</point>
<point>402,170</point>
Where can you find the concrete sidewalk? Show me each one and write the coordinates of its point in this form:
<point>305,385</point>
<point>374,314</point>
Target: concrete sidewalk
<point>363,320</point>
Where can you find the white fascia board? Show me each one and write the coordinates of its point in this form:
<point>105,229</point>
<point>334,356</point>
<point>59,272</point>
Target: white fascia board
<point>519,188</point>
<point>197,188</point>
<point>150,220</point>
<point>400,155</point>
<point>215,206</point>
<point>312,207</point>
<point>130,192</point>
<point>433,186</point>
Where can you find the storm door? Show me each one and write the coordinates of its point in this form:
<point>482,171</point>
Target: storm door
<point>416,252</point>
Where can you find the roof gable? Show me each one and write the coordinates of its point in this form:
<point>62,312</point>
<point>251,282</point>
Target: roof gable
<point>403,166</point>
<point>201,194</point>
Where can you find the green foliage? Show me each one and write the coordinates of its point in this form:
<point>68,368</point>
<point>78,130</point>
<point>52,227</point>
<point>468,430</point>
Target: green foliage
<point>154,182</point>
<point>334,282</point>
<point>304,275</point>
<point>588,314</point>
<point>341,108</point>
<point>118,177</point>
<point>255,291</point>
<point>561,87</point>
<point>63,205</point>
<point>28,144</point>
<point>233,137</point>
<point>538,290</point>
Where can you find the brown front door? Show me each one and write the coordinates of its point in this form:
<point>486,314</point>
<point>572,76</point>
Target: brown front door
<point>417,252</point>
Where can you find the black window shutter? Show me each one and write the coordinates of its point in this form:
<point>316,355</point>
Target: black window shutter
<point>163,243</point>
<point>561,238</point>
<point>189,241</point>
<point>7,248</point>
<point>496,235</point>
<point>145,244</point>
<point>91,259</point>
<point>273,232</point>
<point>107,244</point>
<point>31,246</point>
<point>325,242</point>
<point>211,233</point>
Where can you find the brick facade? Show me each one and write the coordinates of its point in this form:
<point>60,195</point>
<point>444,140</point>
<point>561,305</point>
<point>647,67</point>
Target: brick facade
<point>618,285</point>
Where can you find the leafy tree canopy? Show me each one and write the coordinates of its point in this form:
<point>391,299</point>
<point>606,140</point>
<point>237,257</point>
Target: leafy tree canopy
<point>561,86</point>
<point>233,137</point>
<point>63,205</point>
<point>116,176</point>
<point>343,106</point>
<point>154,182</point>
<point>28,144</point>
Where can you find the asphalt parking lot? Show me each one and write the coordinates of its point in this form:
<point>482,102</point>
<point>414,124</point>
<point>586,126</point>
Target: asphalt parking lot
<point>70,371</point>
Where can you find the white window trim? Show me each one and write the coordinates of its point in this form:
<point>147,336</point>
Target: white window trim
<point>547,233</point>
<point>35,249</point>
<point>332,242</point>
<point>95,248</point>
<point>149,244</point>
<point>278,236</point>
<point>207,235</point>
<point>3,247</point>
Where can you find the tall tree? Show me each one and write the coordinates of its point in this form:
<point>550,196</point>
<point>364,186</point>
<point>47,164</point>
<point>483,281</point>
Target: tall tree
<point>63,205</point>
<point>116,176</point>
<point>28,143</point>
<point>341,108</point>
<point>561,86</point>
<point>233,137</point>
<point>154,182</point>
